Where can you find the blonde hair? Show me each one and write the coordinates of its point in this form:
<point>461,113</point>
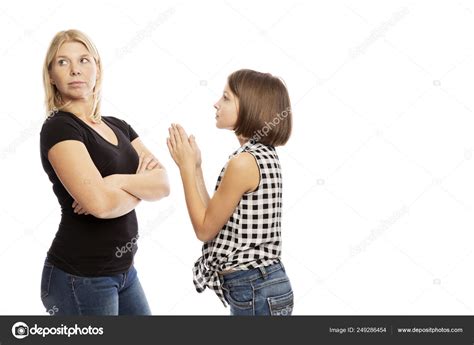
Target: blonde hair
<point>53,98</point>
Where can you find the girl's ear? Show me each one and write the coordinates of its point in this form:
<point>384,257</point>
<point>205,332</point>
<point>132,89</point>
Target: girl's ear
<point>236,102</point>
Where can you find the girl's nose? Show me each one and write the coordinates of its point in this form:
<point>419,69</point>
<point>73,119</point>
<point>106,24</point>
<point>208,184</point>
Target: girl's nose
<point>216,106</point>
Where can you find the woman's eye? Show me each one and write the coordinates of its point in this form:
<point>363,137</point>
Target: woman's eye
<point>62,62</point>
<point>84,60</point>
<point>225,97</point>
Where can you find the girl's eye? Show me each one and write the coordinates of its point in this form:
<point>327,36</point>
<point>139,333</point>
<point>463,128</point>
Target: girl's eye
<point>62,62</point>
<point>84,60</point>
<point>225,97</point>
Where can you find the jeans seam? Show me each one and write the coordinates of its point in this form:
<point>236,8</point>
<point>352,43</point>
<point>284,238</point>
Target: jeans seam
<point>253,299</point>
<point>241,305</point>
<point>271,282</point>
<point>238,304</point>
<point>49,281</point>
<point>76,299</point>
<point>290,294</point>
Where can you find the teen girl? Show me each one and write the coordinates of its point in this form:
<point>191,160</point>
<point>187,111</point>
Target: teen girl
<point>241,224</point>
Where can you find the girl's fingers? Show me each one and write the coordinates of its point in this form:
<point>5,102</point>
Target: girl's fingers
<point>177,137</point>
<point>170,147</point>
<point>182,133</point>
<point>172,152</point>
<point>74,204</point>
<point>192,141</point>
<point>172,138</point>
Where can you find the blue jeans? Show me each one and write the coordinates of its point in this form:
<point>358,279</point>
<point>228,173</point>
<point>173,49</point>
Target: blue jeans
<point>259,291</point>
<point>67,294</point>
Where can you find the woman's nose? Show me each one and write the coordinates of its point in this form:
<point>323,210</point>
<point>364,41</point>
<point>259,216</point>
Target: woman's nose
<point>75,70</point>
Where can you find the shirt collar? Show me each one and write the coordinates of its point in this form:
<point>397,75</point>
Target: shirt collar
<point>244,147</point>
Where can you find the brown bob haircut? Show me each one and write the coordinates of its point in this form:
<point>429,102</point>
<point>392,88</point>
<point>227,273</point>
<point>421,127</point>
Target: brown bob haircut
<point>264,107</point>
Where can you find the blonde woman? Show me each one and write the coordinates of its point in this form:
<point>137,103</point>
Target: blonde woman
<point>100,171</point>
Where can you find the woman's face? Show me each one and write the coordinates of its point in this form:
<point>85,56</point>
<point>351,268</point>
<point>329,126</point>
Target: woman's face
<point>74,72</point>
<point>227,109</point>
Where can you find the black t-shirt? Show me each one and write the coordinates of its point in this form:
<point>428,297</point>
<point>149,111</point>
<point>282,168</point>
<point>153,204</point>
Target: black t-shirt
<point>85,245</point>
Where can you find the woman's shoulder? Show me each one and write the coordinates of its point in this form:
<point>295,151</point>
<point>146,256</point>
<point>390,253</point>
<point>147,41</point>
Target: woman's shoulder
<point>122,125</point>
<point>58,120</point>
<point>116,121</point>
<point>112,119</point>
<point>58,127</point>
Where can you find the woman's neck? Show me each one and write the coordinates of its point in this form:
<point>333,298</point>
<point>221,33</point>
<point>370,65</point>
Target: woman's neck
<point>80,108</point>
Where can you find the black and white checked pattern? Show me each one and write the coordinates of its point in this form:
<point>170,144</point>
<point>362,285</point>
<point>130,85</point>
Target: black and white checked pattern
<point>251,237</point>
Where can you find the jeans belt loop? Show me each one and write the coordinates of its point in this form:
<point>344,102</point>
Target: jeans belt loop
<point>124,279</point>
<point>263,271</point>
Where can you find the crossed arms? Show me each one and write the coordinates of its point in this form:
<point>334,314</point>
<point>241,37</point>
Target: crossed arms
<point>111,196</point>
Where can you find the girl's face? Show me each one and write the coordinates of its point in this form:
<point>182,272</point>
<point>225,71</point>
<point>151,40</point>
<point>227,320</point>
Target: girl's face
<point>227,109</point>
<point>74,72</point>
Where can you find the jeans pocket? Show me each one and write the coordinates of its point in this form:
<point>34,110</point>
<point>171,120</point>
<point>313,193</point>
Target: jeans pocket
<point>46,279</point>
<point>239,296</point>
<point>281,305</point>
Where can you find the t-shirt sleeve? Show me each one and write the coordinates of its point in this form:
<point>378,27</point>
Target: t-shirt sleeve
<point>131,132</point>
<point>124,127</point>
<point>57,129</point>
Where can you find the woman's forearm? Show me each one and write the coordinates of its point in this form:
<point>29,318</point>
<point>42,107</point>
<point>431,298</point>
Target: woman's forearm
<point>116,203</point>
<point>150,185</point>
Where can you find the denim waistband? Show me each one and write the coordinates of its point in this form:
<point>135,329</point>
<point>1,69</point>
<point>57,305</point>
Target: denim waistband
<point>254,273</point>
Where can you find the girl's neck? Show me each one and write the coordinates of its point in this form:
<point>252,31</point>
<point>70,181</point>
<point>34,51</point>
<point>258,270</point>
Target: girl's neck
<point>242,140</point>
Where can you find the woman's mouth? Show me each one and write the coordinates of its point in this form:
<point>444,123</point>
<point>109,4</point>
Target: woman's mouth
<point>76,83</point>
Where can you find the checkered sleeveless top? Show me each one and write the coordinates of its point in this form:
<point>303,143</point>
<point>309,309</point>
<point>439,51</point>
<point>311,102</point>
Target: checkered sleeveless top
<point>251,237</point>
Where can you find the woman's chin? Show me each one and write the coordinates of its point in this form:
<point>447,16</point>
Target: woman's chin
<point>79,94</point>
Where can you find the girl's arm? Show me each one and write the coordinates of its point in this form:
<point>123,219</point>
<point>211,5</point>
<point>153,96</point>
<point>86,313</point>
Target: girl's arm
<point>78,174</point>
<point>201,186</point>
<point>241,176</point>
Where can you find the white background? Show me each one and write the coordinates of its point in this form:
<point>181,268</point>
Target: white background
<point>378,174</point>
